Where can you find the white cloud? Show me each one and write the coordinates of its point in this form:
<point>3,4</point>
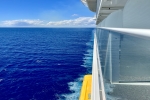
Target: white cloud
<point>78,22</point>
<point>74,15</point>
<point>81,21</point>
<point>23,22</point>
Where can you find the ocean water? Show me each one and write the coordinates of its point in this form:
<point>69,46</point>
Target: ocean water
<point>44,63</point>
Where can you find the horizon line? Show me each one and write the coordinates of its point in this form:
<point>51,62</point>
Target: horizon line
<point>45,27</point>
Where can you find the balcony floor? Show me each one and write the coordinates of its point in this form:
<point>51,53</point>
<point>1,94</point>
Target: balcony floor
<point>129,92</point>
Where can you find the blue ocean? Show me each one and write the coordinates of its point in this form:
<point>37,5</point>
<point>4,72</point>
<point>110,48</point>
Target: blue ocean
<point>44,63</point>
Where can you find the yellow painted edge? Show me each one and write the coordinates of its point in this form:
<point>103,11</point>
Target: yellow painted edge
<point>85,93</point>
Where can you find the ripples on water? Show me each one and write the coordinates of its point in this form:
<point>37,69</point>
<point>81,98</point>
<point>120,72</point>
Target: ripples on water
<point>39,63</point>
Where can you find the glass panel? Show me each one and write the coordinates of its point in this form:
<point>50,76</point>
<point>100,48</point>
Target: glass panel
<point>125,61</point>
<point>134,59</point>
<point>102,45</point>
<point>127,56</point>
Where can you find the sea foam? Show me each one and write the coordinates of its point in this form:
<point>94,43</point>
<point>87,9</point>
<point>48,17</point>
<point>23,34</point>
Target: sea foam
<point>76,85</point>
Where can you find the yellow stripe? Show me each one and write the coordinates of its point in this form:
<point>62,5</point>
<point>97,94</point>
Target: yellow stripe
<point>86,88</point>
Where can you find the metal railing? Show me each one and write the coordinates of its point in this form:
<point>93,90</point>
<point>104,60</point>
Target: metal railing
<point>98,90</point>
<point>120,56</point>
<point>116,48</point>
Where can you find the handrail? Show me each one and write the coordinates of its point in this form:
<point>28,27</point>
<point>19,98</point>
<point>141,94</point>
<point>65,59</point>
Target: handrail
<point>142,33</point>
<point>95,80</point>
<point>102,94</point>
<point>98,92</point>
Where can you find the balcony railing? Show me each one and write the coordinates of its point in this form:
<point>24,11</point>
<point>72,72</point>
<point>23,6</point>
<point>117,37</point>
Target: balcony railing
<point>121,64</point>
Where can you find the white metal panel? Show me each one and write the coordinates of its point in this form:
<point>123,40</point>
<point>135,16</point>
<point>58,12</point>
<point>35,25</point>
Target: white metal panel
<point>99,25</point>
<point>92,4</point>
<point>103,23</point>
<point>136,14</point>
<point>84,2</point>
<point>114,19</point>
<point>107,7</point>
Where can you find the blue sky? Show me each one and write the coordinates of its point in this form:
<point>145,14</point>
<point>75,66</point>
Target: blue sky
<point>44,13</point>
